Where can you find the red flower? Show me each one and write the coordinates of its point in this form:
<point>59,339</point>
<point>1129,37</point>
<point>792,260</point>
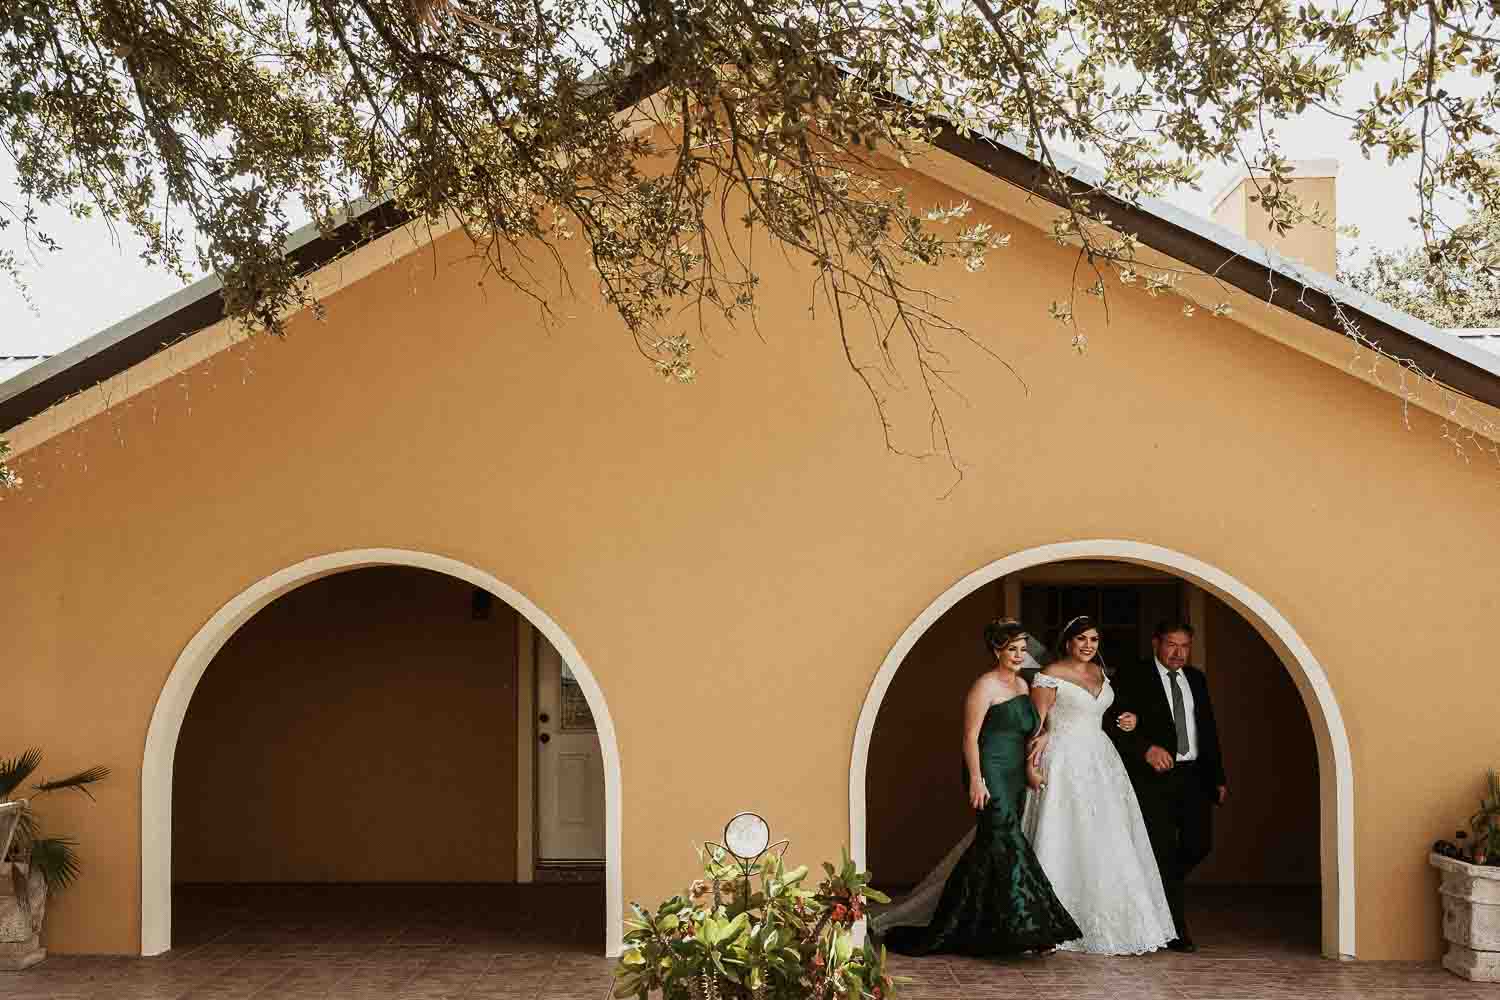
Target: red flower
<point>840,912</point>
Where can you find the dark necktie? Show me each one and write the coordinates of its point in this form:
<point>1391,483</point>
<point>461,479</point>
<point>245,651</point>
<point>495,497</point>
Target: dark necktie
<point>1179,713</point>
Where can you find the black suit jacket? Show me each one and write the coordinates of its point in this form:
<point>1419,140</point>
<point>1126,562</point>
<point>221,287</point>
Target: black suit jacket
<point>1139,689</point>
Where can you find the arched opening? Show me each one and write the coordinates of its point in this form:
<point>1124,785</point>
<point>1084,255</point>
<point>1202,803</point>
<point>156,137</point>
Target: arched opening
<point>371,719</point>
<point>1283,860</point>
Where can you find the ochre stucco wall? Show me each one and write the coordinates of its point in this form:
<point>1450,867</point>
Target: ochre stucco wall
<point>361,728</point>
<point>737,557</point>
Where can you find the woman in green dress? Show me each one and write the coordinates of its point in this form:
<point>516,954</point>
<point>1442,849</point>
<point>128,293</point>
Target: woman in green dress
<point>996,901</point>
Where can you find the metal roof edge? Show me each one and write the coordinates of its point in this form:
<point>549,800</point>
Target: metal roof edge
<point>310,241</point>
<point>1292,270</point>
<point>159,310</point>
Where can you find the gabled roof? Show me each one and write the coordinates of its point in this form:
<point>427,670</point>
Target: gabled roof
<point>157,327</point>
<point>1180,235</point>
<point>1255,269</point>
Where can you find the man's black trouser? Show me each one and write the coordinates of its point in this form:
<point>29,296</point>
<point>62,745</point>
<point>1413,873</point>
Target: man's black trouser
<point>1178,809</point>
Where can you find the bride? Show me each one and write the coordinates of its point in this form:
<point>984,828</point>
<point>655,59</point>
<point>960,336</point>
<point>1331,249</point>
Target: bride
<point>1083,821</point>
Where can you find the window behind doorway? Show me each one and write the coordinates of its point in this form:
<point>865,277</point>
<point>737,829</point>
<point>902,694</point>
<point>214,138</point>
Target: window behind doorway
<point>1126,612</point>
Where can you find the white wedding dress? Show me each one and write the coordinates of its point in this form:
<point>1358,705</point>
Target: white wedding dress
<point>1086,828</point>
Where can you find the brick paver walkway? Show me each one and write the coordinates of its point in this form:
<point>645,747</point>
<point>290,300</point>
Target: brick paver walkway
<point>542,943</point>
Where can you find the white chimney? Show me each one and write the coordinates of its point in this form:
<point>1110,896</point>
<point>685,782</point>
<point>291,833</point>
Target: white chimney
<point>1314,182</point>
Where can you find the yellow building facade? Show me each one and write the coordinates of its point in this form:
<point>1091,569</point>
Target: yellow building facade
<point>736,573</point>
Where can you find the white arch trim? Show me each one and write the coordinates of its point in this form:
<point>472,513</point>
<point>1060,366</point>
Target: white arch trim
<point>172,705</point>
<point>1336,772</point>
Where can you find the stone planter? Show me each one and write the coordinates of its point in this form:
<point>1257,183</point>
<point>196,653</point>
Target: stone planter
<point>1471,918</point>
<point>21,918</point>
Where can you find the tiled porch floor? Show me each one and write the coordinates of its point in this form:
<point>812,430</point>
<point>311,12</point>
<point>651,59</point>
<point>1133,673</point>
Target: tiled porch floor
<point>539,942</point>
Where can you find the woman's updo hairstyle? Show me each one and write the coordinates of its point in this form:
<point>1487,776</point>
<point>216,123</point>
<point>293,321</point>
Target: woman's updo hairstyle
<point>1001,633</point>
<point>1072,630</point>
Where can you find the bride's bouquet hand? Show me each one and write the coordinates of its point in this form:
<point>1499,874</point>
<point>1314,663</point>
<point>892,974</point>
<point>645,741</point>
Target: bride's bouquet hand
<point>979,793</point>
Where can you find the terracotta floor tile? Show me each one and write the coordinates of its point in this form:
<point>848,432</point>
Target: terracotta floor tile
<point>544,943</point>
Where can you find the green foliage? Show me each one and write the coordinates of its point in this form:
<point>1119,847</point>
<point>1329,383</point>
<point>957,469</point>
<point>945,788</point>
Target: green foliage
<point>55,857</point>
<point>211,122</point>
<point>14,772</point>
<point>1486,822</point>
<point>755,933</point>
<point>8,478</point>
<point>1454,285</point>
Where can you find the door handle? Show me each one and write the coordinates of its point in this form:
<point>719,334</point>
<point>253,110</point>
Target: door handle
<point>545,737</point>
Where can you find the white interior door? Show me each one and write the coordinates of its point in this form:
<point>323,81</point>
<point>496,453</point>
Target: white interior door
<point>569,766</point>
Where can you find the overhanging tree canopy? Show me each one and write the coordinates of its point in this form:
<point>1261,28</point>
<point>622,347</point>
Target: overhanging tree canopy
<point>1455,285</point>
<point>218,118</point>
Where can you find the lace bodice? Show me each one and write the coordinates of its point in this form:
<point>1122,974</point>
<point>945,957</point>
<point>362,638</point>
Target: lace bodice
<point>1076,710</point>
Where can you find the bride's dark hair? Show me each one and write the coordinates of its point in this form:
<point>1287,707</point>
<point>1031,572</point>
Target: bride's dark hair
<point>1071,631</point>
<point>1001,633</point>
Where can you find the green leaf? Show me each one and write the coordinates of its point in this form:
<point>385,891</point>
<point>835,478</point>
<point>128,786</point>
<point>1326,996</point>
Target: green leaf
<point>14,772</point>
<point>78,782</point>
<point>57,860</point>
<point>735,928</point>
<point>723,971</point>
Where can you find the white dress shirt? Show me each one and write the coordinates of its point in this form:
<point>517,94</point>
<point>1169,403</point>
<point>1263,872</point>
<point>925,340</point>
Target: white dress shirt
<point>1187,708</point>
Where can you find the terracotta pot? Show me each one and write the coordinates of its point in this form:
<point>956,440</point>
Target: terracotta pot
<point>21,917</point>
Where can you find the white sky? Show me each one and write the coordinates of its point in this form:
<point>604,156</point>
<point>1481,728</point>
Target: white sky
<point>95,281</point>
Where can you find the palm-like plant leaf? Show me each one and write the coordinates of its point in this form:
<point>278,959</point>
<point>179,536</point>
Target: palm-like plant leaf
<point>27,830</point>
<point>57,860</point>
<point>14,772</point>
<point>77,782</point>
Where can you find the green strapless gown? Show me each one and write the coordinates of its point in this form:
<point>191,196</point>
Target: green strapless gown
<point>997,900</point>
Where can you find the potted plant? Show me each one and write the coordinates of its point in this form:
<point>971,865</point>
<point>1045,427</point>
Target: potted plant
<point>1471,891</point>
<point>36,865</point>
<point>1486,824</point>
<point>750,930</point>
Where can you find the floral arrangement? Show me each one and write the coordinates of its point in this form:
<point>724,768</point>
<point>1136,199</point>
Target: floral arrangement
<point>750,930</point>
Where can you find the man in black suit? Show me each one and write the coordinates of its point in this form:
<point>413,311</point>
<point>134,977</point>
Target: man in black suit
<point>1173,759</point>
